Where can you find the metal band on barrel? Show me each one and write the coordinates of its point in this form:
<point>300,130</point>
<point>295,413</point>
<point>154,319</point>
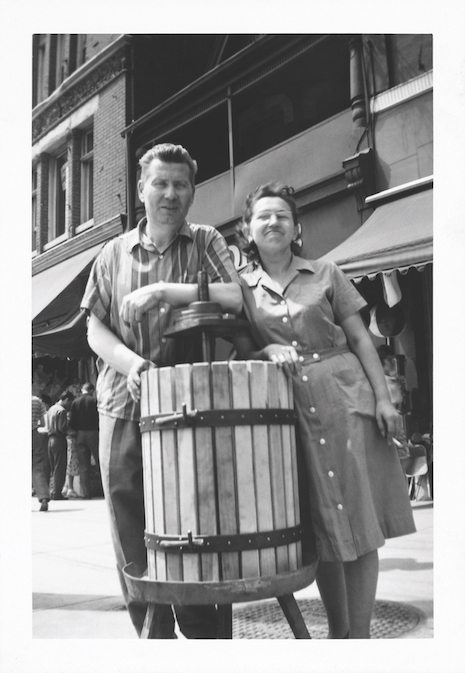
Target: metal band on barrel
<point>209,544</point>
<point>214,418</point>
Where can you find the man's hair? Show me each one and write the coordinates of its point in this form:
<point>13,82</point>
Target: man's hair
<point>67,395</point>
<point>170,154</point>
<point>88,387</point>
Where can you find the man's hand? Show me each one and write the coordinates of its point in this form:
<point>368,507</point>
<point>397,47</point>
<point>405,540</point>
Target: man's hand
<point>133,379</point>
<point>136,304</point>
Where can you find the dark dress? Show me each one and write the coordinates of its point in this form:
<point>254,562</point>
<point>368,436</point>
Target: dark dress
<point>357,489</point>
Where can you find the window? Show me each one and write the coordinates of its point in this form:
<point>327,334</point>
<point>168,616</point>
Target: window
<point>39,94</point>
<point>81,56</point>
<point>87,176</point>
<point>34,211</point>
<point>58,173</point>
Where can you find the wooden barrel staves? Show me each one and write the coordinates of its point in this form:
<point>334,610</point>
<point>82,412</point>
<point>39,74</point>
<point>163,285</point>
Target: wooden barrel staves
<point>220,472</point>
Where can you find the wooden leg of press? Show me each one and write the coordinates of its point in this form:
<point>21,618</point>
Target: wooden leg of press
<point>225,621</point>
<point>149,617</point>
<point>294,616</point>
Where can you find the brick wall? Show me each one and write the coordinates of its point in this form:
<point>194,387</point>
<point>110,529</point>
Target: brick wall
<point>98,41</point>
<point>109,153</point>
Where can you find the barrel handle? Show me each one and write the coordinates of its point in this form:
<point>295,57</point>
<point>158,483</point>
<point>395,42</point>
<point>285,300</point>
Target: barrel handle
<point>187,416</point>
<point>190,543</point>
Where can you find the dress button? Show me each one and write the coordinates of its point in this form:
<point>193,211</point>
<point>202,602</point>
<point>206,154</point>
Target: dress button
<point>162,310</point>
<point>340,506</point>
<point>322,441</point>
<point>283,301</point>
<point>330,473</point>
<point>316,356</point>
<point>160,256</point>
<point>304,378</point>
<point>301,358</point>
<point>312,410</point>
<point>294,343</point>
<point>163,340</point>
<point>284,319</point>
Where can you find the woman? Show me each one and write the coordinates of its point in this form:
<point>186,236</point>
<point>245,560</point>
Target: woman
<point>304,315</point>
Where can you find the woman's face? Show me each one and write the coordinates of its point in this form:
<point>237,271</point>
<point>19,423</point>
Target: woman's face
<point>272,226</point>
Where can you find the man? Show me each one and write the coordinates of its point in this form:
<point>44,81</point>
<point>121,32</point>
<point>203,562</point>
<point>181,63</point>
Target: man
<point>83,420</point>
<point>39,481</point>
<point>57,425</point>
<point>134,284</point>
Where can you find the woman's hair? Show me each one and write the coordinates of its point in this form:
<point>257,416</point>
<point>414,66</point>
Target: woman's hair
<point>170,154</point>
<point>270,189</point>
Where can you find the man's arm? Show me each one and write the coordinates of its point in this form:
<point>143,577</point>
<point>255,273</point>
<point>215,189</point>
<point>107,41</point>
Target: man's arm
<point>137,303</point>
<point>112,350</point>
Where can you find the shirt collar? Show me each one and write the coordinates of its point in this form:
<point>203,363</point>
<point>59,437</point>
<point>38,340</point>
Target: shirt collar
<point>138,236</point>
<point>254,276</point>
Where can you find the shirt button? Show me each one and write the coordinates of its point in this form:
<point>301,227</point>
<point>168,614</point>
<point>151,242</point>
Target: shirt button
<point>312,410</point>
<point>294,343</point>
<point>301,358</point>
<point>316,356</point>
<point>340,506</point>
<point>162,310</point>
<point>322,441</point>
<point>304,378</point>
<point>330,473</point>
<point>284,319</point>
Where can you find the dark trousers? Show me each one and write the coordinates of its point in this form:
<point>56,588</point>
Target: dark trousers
<point>87,446</point>
<point>57,455</point>
<point>121,468</point>
<point>39,482</point>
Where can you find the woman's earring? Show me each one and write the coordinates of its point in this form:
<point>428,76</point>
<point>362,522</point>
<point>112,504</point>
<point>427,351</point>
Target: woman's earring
<point>298,239</point>
<point>250,238</point>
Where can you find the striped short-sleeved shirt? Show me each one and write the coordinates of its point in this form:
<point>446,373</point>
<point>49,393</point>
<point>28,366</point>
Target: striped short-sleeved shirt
<point>129,262</point>
<point>38,410</point>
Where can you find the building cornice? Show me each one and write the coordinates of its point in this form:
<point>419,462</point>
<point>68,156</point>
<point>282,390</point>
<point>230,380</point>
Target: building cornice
<point>76,89</point>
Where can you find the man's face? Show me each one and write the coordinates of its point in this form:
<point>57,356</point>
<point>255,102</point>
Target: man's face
<point>167,193</point>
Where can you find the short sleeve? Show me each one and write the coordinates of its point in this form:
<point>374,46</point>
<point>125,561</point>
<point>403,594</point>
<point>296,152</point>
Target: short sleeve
<point>97,295</point>
<point>345,298</point>
<point>218,260</point>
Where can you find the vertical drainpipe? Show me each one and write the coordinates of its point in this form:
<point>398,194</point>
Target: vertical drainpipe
<point>357,89</point>
<point>232,181</point>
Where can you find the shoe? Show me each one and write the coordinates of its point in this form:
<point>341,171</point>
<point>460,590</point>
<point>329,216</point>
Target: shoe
<point>72,494</point>
<point>43,506</point>
<point>59,497</point>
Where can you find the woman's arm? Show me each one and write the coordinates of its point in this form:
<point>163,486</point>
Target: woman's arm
<point>388,419</point>
<point>283,356</point>
<point>137,303</point>
<point>112,350</point>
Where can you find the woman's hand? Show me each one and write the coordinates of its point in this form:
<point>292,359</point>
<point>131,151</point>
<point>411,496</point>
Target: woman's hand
<point>136,304</point>
<point>389,420</point>
<point>283,356</point>
<point>133,379</point>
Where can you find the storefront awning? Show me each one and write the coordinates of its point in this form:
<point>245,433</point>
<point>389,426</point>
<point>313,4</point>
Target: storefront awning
<point>48,284</point>
<point>68,340</point>
<point>399,235</point>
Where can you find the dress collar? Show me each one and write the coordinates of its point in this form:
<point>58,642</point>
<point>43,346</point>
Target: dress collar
<point>256,273</point>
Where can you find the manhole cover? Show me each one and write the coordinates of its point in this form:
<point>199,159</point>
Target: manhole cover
<point>266,620</point>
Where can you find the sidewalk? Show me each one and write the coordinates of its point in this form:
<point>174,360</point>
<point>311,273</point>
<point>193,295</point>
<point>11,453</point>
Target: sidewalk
<point>76,592</point>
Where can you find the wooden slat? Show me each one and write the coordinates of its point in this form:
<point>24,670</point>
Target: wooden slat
<point>223,443</point>
<point>170,472</point>
<point>289,483</point>
<point>157,474</point>
<point>276,462</point>
<point>206,489</point>
<point>187,472</point>
<point>261,464</point>
<point>146,394</point>
<point>295,472</point>
<point>246,497</point>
